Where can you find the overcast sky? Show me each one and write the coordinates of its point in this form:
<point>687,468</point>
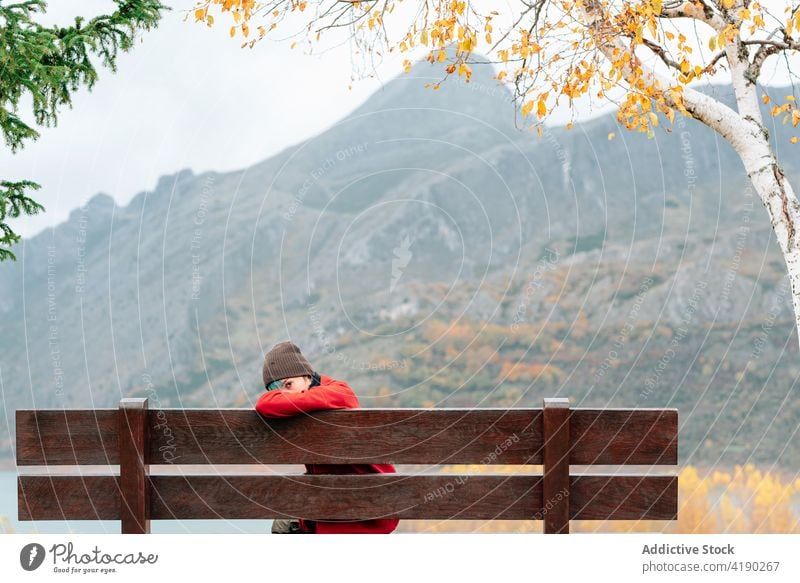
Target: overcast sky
<point>186,97</point>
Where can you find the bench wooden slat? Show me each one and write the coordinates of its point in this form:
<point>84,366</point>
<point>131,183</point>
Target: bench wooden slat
<point>398,436</point>
<point>134,469</point>
<point>595,497</point>
<point>93,497</point>
<point>620,437</point>
<point>556,485</point>
<point>259,496</point>
<point>67,437</point>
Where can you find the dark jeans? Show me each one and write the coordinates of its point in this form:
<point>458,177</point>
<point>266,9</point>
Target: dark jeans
<point>290,526</point>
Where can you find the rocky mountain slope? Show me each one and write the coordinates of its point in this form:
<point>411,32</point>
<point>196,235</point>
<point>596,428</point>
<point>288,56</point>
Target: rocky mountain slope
<point>432,254</point>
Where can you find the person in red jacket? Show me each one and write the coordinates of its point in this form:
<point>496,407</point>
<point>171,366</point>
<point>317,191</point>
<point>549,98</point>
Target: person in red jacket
<point>294,388</point>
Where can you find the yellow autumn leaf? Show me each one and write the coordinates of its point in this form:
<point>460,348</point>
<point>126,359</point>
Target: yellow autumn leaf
<point>526,109</point>
<point>794,140</point>
<point>728,4</point>
<point>541,109</point>
<point>611,135</point>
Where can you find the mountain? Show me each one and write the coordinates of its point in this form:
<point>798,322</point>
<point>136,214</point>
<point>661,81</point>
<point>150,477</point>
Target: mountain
<point>432,254</point>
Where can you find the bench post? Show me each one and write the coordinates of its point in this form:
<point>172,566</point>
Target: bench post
<point>555,487</point>
<point>133,466</point>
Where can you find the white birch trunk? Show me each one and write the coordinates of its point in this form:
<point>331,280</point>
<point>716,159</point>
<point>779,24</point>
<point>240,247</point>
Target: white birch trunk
<point>761,165</point>
<point>782,206</point>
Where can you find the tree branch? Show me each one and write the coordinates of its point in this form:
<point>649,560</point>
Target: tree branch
<point>662,53</point>
<point>766,49</point>
<point>701,11</point>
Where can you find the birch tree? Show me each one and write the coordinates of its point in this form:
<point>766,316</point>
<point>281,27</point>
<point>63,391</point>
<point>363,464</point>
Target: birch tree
<point>643,55</point>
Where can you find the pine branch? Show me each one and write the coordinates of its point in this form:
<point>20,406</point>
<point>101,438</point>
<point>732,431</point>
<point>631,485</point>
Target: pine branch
<point>14,203</point>
<point>51,63</point>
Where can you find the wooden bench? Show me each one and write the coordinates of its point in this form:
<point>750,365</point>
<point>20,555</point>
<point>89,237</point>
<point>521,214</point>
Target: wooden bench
<point>121,464</point>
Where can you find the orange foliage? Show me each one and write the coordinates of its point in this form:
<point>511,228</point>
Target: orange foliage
<point>520,371</point>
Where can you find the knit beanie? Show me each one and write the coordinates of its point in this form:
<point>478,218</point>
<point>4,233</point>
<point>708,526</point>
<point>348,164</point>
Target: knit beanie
<point>285,360</point>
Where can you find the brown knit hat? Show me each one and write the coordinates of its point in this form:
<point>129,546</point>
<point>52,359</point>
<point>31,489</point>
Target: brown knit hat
<point>285,360</point>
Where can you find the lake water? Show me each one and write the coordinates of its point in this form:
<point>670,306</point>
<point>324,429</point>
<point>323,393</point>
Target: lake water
<point>8,509</point>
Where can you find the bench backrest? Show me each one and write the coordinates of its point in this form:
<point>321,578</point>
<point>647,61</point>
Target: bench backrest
<point>153,448</point>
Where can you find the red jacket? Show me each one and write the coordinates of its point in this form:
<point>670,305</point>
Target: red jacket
<point>330,394</point>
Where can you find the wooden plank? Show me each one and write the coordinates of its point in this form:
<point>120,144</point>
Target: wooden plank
<point>555,490</point>
<point>67,437</point>
<point>42,497</point>
<point>624,436</point>
<point>237,436</point>
<point>440,497</point>
<point>348,497</point>
<point>601,497</point>
<point>398,436</point>
<point>133,466</point>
